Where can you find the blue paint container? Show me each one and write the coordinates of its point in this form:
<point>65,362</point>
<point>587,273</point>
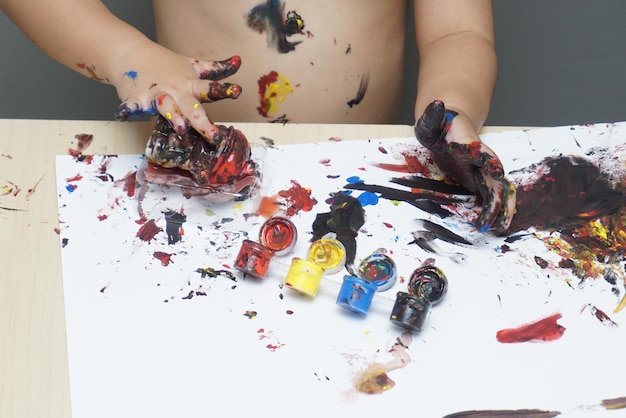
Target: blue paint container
<point>356,294</point>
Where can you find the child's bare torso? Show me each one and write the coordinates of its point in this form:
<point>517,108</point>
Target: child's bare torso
<point>326,61</point>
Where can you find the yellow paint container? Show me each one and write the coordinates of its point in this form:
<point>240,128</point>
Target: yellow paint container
<point>328,253</point>
<point>304,276</point>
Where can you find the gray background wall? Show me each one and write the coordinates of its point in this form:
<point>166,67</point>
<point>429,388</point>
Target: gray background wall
<point>560,62</point>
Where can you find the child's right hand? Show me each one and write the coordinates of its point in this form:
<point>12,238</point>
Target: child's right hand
<point>175,86</point>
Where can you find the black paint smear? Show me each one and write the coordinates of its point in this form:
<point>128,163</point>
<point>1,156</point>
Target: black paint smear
<point>173,222</point>
<point>345,218</point>
<point>426,201</point>
<point>417,182</point>
<point>442,233</point>
<point>513,413</point>
<point>269,17</point>
<point>365,79</point>
<point>572,193</point>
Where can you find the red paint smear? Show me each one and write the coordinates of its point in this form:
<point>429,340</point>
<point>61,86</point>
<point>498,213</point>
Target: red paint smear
<point>388,225</point>
<point>297,198</point>
<point>84,140</point>
<point>77,177</point>
<point>264,82</point>
<point>160,99</point>
<point>148,231</point>
<point>164,258</point>
<point>103,217</point>
<point>546,329</point>
<point>325,161</point>
<point>412,164</point>
<point>335,139</point>
<point>128,183</point>
<point>382,149</point>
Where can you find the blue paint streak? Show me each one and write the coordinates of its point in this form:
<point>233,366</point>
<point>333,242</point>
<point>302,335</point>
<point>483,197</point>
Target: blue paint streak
<point>131,74</point>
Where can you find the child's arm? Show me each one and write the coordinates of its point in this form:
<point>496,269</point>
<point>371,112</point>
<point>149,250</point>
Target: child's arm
<point>86,37</point>
<point>458,67</point>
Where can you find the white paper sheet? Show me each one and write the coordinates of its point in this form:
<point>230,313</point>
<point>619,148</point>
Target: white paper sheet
<point>148,339</point>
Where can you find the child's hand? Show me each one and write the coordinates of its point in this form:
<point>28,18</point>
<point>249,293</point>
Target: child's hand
<point>458,151</point>
<point>175,86</point>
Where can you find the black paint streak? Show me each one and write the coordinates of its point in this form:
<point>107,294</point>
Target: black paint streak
<point>442,233</point>
<point>269,17</point>
<point>517,413</point>
<point>365,79</point>
<point>417,182</point>
<point>427,201</point>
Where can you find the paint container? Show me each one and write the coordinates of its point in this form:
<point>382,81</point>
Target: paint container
<point>253,258</point>
<point>356,294</point>
<point>380,269</point>
<point>328,253</point>
<point>304,276</point>
<point>409,311</point>
<point>427,286</point>
<point>278,234</point>
<point>428,283</point>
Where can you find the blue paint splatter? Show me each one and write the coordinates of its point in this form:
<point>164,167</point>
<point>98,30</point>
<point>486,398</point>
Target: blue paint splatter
<point>71,187</point>
<point>354,180</point>
<point>368,198</point>
<point>131,74</point>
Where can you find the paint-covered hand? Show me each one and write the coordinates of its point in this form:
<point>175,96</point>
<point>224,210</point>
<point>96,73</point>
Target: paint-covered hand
<point>175,87</point>
<point>458,151</point>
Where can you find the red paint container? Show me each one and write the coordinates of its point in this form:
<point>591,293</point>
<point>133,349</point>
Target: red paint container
<point>253,258</point>
<point>278,234</point>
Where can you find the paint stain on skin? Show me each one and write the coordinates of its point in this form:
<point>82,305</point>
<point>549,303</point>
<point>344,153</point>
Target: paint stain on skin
<point>91,71</point>
<point>174,226</point>
<point>131,74</point>
<point>148,231</point>
<point>270,18</point>
<point>297,198</point>
<point>273,88</point>
<point>164,258</point>
<point>375,379</point>
<point>546,329</point>
<point>365,79</point>
<point>505,413</point>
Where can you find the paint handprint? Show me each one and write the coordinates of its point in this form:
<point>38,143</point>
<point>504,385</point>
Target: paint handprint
<point>467,161</point>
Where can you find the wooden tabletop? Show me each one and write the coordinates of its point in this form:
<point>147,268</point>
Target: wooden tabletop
<point>34,378</point>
